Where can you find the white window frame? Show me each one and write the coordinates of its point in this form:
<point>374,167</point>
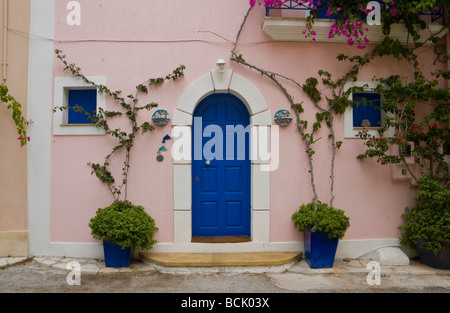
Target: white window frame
<point>352,132</point>
<point>61,126</point>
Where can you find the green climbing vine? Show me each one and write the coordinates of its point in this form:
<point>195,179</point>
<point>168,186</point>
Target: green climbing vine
<point>17,115</point>
<point>330,98</point>
<point>125,139</point>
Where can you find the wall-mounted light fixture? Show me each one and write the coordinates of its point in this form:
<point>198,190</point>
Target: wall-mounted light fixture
<point>439,50</point>
<point>221,65</point>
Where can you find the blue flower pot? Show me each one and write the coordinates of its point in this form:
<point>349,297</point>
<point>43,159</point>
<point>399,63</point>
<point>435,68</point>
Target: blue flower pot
<point>319,249</point>
<point>115,256</point>
<point>428,258</point>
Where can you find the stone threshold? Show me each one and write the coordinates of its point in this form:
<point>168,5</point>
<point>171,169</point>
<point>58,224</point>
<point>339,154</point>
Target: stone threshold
<point>219,259</point>
<point>221,239</point>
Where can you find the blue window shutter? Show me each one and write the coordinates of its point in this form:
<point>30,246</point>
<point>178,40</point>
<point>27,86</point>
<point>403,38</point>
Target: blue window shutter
<point>357,111</point>
<point>85,98</point>
<point>366,106</point>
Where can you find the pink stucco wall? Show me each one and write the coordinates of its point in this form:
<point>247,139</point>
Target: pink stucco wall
<point>128,42</point>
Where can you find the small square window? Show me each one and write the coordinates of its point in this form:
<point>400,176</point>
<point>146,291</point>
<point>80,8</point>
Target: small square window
<point>86,99</point>
<point>366,110</point>
<point>70,92</point>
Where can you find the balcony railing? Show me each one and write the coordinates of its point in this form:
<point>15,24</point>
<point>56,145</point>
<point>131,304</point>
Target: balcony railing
<point>435,15</point>
<point>289,5</point>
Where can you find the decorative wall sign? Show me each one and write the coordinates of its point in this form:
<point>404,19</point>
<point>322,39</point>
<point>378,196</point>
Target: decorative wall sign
<point>162,148</point>
<point>167,137</point>
<point>161,117</point>
<point>283,118</point>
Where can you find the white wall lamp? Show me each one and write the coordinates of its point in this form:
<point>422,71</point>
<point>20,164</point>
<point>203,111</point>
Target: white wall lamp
<point>439,50</point>
<point>221,65</point>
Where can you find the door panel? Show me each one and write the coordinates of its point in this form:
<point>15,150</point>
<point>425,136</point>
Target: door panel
<point>209,212</point>
<point>233,179</point>
<point>209,179</point>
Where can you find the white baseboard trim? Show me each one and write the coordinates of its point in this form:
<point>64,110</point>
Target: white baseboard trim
<point>356,248</point>
<point>72,250</point>
<point>346,249</point>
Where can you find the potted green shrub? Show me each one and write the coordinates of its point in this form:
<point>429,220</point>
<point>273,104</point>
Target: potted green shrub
<point>322,226</point>
<point>426,226</point>
<point>122,226</point>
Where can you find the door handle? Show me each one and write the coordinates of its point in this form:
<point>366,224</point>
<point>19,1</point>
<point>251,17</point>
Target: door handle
<point>197,179</point>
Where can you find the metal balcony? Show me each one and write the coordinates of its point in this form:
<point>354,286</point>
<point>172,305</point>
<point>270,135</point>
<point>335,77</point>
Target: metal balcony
<point>435,15</point>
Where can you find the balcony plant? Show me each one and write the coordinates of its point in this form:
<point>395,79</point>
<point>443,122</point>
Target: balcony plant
<point>322,228</point>
<point>122,226</point>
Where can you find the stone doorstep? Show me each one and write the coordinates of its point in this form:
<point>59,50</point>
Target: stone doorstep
<point>219,259</point>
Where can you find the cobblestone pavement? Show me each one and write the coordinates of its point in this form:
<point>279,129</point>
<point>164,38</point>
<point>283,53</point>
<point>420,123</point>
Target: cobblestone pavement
<point>54,275</point>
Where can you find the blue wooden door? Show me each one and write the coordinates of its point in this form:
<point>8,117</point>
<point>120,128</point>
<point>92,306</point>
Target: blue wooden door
<point>221,170</point>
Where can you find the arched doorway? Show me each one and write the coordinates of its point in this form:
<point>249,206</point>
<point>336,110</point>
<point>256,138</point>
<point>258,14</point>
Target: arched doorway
<point>217,83</point>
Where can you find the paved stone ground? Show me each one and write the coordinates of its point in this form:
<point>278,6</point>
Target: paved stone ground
<point>51,275</point>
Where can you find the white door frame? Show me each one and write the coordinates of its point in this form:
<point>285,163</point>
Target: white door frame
<point>260,117</point>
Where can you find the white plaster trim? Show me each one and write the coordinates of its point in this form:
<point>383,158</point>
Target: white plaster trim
<point>290,29</point>
<point>356,248</point>
<point>346,248</point>
<point>180,118</point>
<point>60,117</point>
<point>349,130</point>
<point>227,82</point>
<point>260,188</point>
<point>260,144</point>
<point>40,83</point>
<point>73,250</point>
<point>196,92</point>
<point>246,91</point>
<point>261,119</point>
<point>182,187</point>
<point>221,80</point>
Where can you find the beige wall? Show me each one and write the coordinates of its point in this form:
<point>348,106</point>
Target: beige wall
<point>13,158</point>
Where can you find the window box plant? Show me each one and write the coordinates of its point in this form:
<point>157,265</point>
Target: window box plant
<point>426,226</point>
<point>122,226</point>
<point>322,227</point>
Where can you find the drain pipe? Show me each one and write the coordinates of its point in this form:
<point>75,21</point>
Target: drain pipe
<point>448,59</point>
<point>5,39</point>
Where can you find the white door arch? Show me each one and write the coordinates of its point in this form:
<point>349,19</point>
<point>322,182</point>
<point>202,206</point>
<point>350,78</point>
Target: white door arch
<point>260,117</point>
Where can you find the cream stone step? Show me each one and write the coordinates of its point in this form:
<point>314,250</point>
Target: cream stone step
<point>220,259</point>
